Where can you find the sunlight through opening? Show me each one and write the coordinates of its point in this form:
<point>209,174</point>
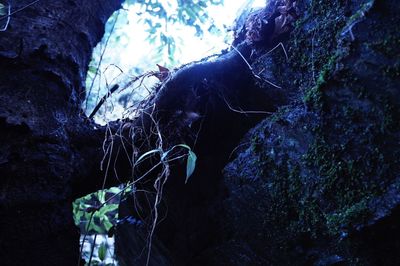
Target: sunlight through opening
<point>137,39</point>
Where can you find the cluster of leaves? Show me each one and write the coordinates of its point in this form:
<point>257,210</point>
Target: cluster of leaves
<point>98,211</point>
<point>191,13</point>
<point>159,15</point>
<point>187,12</point>
<point>161,20</point>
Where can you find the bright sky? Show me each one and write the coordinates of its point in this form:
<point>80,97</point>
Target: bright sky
<point>133,51</point>
<point>193,48</point>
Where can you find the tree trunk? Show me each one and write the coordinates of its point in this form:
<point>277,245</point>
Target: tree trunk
<point>48,151</point>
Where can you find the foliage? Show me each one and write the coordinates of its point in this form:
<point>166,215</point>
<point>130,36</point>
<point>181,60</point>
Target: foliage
<point>190,163</point>
<point>98,211</point>
<point>157,15</point>
<point>163,22</point>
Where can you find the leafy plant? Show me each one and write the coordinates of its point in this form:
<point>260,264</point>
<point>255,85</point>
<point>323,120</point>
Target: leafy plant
<point>190,163</point>
<point>98,211</point>
<point>159,15</point>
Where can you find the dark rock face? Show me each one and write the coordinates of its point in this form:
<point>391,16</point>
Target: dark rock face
<point>316,183</point>
<point>220,92</point>
<point>319,181</point>
<point>46,148</point>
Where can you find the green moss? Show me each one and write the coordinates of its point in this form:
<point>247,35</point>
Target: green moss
<point>342,220</point>
<point>311,217</point>
<point>342,184</point>
<point>360,14</point>
<point>256,144</point>
<point>314,96</point>
<point>348,161</point>
<point>314,52</point>
<point>279,114</point>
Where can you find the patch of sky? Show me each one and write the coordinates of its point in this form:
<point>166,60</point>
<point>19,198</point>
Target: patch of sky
<point>145,33</point>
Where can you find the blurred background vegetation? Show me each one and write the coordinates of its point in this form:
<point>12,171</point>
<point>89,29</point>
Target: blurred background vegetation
<point>145,33</point>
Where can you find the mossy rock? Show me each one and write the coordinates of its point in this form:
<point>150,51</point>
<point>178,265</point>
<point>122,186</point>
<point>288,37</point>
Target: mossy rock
<point>319,181</point>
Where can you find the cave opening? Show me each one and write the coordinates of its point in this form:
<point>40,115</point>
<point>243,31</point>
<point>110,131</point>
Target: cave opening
<point>143,35</point>
<point>143,38</point>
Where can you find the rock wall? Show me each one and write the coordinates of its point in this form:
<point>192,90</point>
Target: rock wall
<point>47,149</point>
<point>318,183</point>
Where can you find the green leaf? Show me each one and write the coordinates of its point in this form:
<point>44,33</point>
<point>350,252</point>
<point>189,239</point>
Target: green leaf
<point>165,154</point>
<point>144,155</point>
<point>114,190</point>
<point>86,216</point>
<point>190,165</point>
<point>191,13</point>
<point>101,195</point>
<point>102,251</point>
<point>107,208</point>
<point>184,146</point>
<point>2,10</point>
<point>107,224</point>
<point>93,227</point>
<point>92,69</point>
<point>202,4</point>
